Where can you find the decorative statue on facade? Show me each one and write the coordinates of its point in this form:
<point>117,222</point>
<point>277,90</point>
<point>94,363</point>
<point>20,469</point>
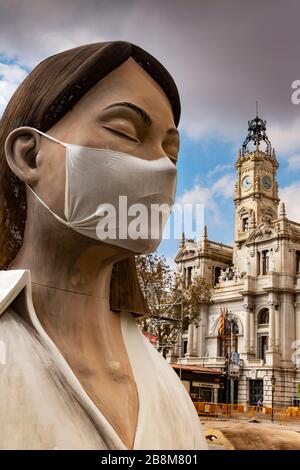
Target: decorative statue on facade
<point>231,273</point>
<point>223,276</point>
<point>87,126</point>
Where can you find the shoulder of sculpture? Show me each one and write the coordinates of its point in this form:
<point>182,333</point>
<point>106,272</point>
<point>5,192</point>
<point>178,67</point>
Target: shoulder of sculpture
<point>12,282</point>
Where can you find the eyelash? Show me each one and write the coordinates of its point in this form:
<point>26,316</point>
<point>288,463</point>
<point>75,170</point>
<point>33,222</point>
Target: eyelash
<point>122,134</point>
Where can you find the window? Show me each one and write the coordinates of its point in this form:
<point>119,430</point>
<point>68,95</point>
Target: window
<point>245,223</point>
<point>297,261</point>
<point>206,394</point>
<point>256,391</point>
<point>185,343</point>
<point>262,346</point>
<point>263,317</point>
<point>201,393</point>
<point>258,263</point>
<point>217,274</point>
<point>265,262</point>
<point>189,275</point>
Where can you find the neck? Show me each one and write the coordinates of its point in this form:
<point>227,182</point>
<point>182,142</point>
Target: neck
<point>62,259</point>
<point>71,277</point>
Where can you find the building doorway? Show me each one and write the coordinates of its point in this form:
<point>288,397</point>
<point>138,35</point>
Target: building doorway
<point>256,391</point>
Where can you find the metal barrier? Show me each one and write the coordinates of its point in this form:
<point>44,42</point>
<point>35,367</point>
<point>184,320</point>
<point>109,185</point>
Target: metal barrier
<point>284,416</point>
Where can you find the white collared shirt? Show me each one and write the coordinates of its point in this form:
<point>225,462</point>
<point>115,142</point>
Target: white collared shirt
<point>44,406</point>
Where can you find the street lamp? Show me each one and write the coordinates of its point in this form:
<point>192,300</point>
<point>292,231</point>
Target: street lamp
<point>273,382</point>
<point>231,319</point>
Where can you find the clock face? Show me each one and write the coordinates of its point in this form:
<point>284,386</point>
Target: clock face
<point>247,182</point>
<point>267,183</point>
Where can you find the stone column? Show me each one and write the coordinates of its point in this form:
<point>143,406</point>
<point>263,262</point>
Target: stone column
<point>296,349</point>
<point>297,317</point>
<point>195,340</point>
<point>202,330</point>
<point>252,332</point>
<point>277,328</point>
<point>190,344</point>
<point>271,345</point>
<point>247,329</point>
<point>178,351</point>
<point>184,276</point>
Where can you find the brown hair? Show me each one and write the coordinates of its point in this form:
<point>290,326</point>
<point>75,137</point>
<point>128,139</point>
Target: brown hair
<point>46,94</point>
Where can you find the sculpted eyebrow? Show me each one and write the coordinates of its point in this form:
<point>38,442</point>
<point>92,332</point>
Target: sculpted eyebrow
<point>140,111</point>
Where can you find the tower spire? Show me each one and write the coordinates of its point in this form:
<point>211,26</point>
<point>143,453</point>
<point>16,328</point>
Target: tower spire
<point>257,131</point>
<point>182,241</point>
<point>282,211</point>
<point>204,233</point>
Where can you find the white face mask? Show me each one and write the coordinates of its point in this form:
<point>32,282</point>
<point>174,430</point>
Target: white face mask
<point>99,183</point>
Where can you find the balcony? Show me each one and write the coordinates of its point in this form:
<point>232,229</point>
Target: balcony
<point>253,362</point>
<point>213,362</point>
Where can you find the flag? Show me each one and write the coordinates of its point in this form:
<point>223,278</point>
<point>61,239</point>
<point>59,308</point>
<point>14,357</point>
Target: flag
<point>221,322</point>
<point>151,338</point>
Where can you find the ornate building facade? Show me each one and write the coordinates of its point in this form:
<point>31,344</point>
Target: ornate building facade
<point>251,328</point>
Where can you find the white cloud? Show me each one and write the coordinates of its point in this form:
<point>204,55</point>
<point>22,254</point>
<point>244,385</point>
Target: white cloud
<point>12,72</point>
<point>285,137</point>
<point>294,162</point>
<point>219,169</point>
<point>10,76</point>
<point>224,186</point>
<point>290,196</point>
<point>218,52</point>
<point>209,195</point>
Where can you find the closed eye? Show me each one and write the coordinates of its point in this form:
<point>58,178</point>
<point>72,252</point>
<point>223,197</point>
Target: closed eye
<point>122,134</point>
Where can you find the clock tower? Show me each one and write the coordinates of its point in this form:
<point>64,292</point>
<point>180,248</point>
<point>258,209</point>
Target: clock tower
<point>256,191</point>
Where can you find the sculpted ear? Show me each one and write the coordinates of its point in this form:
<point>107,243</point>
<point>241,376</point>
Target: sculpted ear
<point>21,149</point>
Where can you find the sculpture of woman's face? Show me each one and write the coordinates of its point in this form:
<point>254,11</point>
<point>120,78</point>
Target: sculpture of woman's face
<point>126,111</point>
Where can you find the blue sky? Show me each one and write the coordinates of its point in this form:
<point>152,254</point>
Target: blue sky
<point>206,173</point>
<point>223,54</point>
<point>203,164</point>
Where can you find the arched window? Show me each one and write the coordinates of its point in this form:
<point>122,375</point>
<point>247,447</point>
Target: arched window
<point>262,333</point>
<point>244,217</point>
<point>245,223</point>
<point>263,317</point>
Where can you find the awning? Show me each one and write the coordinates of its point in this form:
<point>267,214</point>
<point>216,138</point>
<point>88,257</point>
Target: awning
<point>196,369</point>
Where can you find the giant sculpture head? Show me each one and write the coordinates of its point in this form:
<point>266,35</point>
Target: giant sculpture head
<point>110,95</point>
